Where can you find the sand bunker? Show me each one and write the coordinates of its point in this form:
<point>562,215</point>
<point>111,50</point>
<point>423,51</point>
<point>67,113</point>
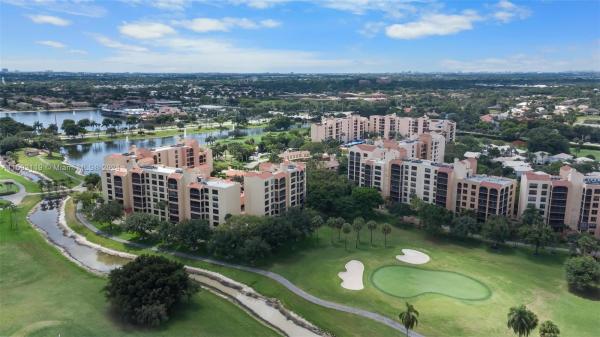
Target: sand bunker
<point>413,257</point>
<point>352,278</point>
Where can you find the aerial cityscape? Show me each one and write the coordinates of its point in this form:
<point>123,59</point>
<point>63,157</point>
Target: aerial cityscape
<point>299,168</point>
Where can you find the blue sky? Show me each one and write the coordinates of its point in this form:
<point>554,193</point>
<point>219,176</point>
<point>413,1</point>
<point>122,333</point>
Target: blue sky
<point>299,36</point>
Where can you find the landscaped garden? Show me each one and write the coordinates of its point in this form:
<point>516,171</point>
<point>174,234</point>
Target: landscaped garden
<point>52,167</point>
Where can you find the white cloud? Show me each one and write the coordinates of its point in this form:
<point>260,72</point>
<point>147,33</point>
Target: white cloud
<point>434,24</point>
<point>110,43</point>
<point>72,7</point>
<point>78,51</point>
<point>146,30</point>
<point>524,63</point>
<point>371,29</point>
<point>173,5</point>
<point>49,19</point>
<point>507,11</point>
<point>203,25</point>
<point>50,43</point>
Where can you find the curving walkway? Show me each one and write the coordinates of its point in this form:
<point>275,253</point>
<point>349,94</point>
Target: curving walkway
<point>274,276</point>
<point>15,198</point>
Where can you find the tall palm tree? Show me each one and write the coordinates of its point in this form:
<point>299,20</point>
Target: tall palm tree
<point>521,320</point>
<point>357,225</point>
<point>409,317</point>
<point>372,225</point>
<point>12,209</point>
<point>331,223</point>
<point>163,206</point>
<point>316,223</point>
<point>386,229</point>
<point>346,228</point>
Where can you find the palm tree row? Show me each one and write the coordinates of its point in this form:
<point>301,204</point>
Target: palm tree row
<point>341,226</point>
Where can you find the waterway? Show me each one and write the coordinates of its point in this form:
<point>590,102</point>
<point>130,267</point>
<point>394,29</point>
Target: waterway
<point>53,117</point>
<point>90,157</point>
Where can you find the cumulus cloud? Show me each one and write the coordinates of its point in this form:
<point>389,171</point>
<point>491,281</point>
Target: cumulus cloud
<point>49,19</point>
<point>146,30</point>
<point>434,24</point>
<point>110,43</point>
<point>50,43</point>
<point>507,11</point>
<point>203,25</point>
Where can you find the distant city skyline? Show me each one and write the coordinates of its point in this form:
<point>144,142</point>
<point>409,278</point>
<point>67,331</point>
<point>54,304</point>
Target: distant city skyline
<point>326,36</point>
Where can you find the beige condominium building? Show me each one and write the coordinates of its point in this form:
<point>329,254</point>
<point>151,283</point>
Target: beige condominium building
<point>354,127</point>
<point>455,186</point>
<point>570,199</point>
<point>343,129</point>
<point>390,126</point>
<point>174,183</point>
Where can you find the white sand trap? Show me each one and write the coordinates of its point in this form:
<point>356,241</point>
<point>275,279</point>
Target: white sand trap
<point>413,256</point>
<point>352,277</point>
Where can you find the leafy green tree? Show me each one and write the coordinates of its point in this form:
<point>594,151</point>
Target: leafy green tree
<point>366,199</point>
<point>434,217</point>
<point>143,224</point>
<point>144,291</point>
<point>372,225</point>
<point>546,139</point>
<point>409,317</point>
<point>108,212</point>
<point>92,179</point>
<point>583,273</point>
<point>587,244</point>
<point>316,223</point>
<point>332,223</point>
<point>538,234</point>
<point>385,229</point>
<point>464,225</point>
<point>531,216</point>
<point>357,226</point>
<point>549,329</point>
<point>496,229</point>
<point>521,320</point>
<point>189,234</point>
<point>346,228</point>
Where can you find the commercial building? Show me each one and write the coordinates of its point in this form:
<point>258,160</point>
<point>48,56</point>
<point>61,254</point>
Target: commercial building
<point>570,199</point>
<point>353,127</point>
<point>174,183</point>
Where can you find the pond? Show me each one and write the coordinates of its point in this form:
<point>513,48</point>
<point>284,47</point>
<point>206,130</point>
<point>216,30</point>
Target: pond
<point>53,117</point>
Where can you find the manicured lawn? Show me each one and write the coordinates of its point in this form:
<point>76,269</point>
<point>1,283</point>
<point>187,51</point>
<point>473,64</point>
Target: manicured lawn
<point>52,167</point>
<point>7,188</point>
<point>29,185</point>
<point>406,282</point>
<point>585,152</point>
<point>341,324</point>
<point>44,294</point>
<point>92,137</point>
<point>514,276</point>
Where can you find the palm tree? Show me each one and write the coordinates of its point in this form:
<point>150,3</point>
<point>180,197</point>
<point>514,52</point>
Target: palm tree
<point>316,223</point>
<point>549,329</point>
<point>331,223</point>
<point>12,209</point>
<point>346,228</point>
<point>386,229</point>
<point>521,320</point>
<point>372,225</point>
<point>339,223</point>
<point>37,126</point>
<point>163,206</point>
<point>357,225</point>
<point>409,317</point>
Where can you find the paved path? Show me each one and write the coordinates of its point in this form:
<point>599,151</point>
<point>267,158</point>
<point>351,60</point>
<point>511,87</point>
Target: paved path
<point>15,198</point>
<point>274,276</point>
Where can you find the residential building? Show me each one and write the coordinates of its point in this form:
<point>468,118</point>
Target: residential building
<point>390,126</point>
<point>354,127</point>
<point>343,129</point>
<point>570,199</point>
<point>174,184</point>
<point>274,188</point>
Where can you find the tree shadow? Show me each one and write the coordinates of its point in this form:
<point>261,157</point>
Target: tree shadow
<point>592,294</point>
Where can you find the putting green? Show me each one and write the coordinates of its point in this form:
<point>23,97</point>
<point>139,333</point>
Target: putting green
<point>403,281</point>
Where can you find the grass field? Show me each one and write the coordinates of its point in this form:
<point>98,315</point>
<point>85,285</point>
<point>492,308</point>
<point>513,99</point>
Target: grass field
<point>29,185</point>
<point>585,152</point>
<point>6,189</point>
<point>44,294</point>
<point>513,276</point>
<point>406,282</point>
<point>52,167</point>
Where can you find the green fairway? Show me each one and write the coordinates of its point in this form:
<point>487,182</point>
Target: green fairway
<point>402,281</point>
<point>585,152</point>
<point>52,167</point>
<point>29,185</point>
<point>7,188</point>
<point>44,294</point>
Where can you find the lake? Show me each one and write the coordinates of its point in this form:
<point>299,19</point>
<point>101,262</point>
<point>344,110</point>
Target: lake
<point>53,117</point>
